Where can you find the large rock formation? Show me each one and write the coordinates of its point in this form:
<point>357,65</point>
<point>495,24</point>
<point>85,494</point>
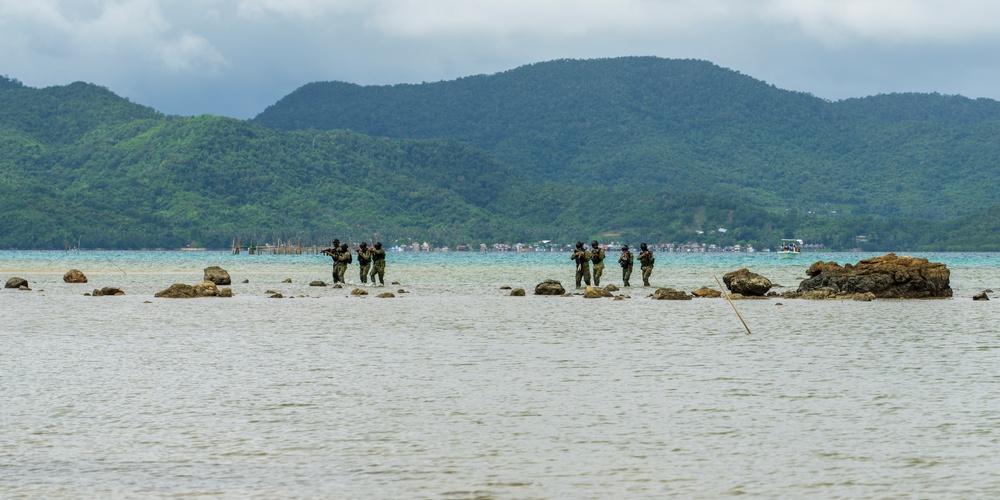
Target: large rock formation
<point>886,277</point>
<point>217,275</point>
<point>74,276</point>
<point>747,283</point>
<point>549,287</point>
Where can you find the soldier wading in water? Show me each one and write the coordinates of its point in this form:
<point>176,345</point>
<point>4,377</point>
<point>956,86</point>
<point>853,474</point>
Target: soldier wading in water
<point>646,260</point>
<point>597,257</point>
<point>378,264</point>
<point>332,252</point>
<point>626,262</point>
<point>582,258</point>
<point>364,261</point>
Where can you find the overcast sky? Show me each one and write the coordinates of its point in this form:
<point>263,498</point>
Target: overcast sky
<point>236,57</point>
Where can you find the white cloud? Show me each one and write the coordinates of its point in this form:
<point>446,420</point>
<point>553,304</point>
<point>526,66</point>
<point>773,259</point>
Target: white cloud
<point>892,21</point>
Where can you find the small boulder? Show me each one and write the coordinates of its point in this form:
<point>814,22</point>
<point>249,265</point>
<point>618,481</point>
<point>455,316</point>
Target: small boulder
<point>109,291</point>
<point>670,294</point>
<point>385,295</point>
<point>593,292</point>
<point>317,283</point>
<point>981,296</point>
<point>747,283</point>
<point>707,293</point>
<point>217,275</point>
<point>16,283</point>
<point>182,291</point>
<point>550,287</point>
<point>277,296</point>
<point>287,280</point>
<point>359,292</point>
<point>505,287</point>
<point>611,288</point>
<point>226,292</point>
<point>518,292</point>
<point>74,276</point>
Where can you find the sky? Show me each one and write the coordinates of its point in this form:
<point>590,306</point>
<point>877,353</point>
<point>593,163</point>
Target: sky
<point>236,57</point>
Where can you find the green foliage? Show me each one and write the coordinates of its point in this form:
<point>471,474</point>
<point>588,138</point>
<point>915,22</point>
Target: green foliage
<point>693,127</point>
<point>641,148</point>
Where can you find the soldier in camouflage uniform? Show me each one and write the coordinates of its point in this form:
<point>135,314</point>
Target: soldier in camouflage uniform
<point>332,252</point>
<point>582,258</point>
<point>646,260</point>
<point>364,261</point>
<point>597,257</point>
<point>378,264</point>
<point>343,258</point>
<point>625,260</point>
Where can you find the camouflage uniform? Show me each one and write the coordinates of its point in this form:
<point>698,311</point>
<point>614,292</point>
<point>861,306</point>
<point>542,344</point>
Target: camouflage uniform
<point>364,262</point>
<point>582,258</point>
<point>646,260</point>
<point>378,264</point>
<point>332,252</point>
<point>343,258</point>
<point>626,262</point>
<point>597,257</point>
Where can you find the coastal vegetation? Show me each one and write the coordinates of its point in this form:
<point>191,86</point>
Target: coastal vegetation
<point>627,149</point>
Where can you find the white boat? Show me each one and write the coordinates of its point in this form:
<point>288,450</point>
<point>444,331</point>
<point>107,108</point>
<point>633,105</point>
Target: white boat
<point>790,248</point>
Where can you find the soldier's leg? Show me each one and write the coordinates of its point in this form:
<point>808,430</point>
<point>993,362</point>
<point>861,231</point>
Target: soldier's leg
<point>597,276</point>
<point>579,277</point>
<point>626,274</point>
<point>646,273</point>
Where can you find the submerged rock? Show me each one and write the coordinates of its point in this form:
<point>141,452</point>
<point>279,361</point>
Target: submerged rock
<point>670,294</point>
<point>885,277</point>
<point>518,292</point>
<point>74,276</point>
<point>385,295</point>
<point>359,291</point>
<point>593,292</point>
<point>550,287</point>
<point>317,283</point>
<point>182,291</point>
<point>108,291</point>
<point>706,292</point>
<point>981,296</point>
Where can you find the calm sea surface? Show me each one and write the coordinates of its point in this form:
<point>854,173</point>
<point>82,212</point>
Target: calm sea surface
<point>456,390</point>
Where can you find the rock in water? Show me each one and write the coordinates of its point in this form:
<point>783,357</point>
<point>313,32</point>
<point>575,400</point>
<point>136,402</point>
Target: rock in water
<point>670,294</point>
<point>747,283</point>
<point>549,287</point>
<point>886,277</point>
<point>706,292</point>
<point>217,275</point>
<point>517,292</point>
<point>74,276</point>
<point>16,283</point>
<point>182,291</point>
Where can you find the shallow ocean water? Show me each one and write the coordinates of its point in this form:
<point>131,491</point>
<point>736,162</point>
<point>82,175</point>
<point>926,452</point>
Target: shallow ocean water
<point>455,390</point>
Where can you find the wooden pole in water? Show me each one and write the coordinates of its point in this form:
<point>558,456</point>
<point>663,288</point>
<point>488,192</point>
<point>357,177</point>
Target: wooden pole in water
<point>731,303</point>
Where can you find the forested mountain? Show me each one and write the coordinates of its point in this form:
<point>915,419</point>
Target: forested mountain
<point>692,126</point>
<point>79,163</point>
<point>634,149</point>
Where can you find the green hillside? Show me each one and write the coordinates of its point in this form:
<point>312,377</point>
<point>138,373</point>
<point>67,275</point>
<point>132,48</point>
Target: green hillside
<point>691,126</point>
<point>120,175</point>
<point>80,164</point>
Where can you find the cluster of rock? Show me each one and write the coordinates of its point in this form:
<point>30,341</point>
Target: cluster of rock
<point>182,291</point>
<point>886,277</point>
